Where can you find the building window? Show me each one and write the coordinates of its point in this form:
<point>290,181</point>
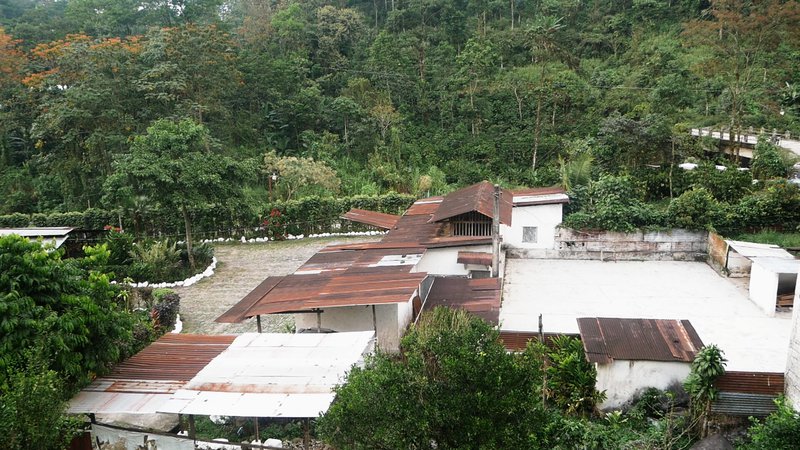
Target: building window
<point>530,234</point>
<point>480,274</point>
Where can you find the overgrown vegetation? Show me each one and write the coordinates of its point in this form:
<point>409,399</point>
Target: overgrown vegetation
<point>173,118</point>
<point>454,386</point>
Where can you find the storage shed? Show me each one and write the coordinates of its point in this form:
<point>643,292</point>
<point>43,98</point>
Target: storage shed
<point>632,355</point>
<point>773,282</point>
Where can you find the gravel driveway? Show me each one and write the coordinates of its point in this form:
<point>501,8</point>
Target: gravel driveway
<point>240,268</point>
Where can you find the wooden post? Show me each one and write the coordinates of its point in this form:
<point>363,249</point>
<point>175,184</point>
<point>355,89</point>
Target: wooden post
<point>192,433</point>
<point>258,435</point>
<point>306,435</point>
<point>258,322</point>
<point>496,232</point>
<point>541,330</point>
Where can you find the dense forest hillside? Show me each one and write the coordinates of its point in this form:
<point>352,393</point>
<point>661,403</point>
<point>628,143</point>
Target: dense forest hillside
<point>412,96</point>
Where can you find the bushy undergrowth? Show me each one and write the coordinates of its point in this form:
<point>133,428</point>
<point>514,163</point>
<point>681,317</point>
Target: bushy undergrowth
<point>153,261</point>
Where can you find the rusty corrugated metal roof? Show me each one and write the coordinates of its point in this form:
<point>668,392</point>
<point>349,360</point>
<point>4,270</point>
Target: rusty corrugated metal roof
<point>479,296</point>
<point>480,258</point>
<point>766,383</point>
<point>424,206</point>
<point>376,219</point>
<point>143,382</point>
<point>609,339</point>
<point>516,341</point>
<point>336,277</point>
<point>479,198</point>
<point>240,309</point>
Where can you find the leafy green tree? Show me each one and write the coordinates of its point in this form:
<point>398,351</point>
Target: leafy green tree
<point>453,386</point>
<point>768,162</point>
<point>708,365</point>
<point>780,430</point>
<point>174,162</point>
<point>68,314</point>
<point>300,175</point>
<point>32,406</point>
<point>695,209</point>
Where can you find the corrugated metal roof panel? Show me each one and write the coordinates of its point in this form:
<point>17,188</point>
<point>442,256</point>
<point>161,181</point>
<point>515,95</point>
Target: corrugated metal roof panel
<point>479,198</point>
<point>273,375</point>
<point>142,383</point>
<point>37,231</point>
<point>753,249</point>
<point>240,310</point>
<point>608,339</point>
<point>765,383</point>
<point>480,258</point>
<point>424,206</point>
<point>480,296</point>
<point>376,219</point>
<point>744,405</point>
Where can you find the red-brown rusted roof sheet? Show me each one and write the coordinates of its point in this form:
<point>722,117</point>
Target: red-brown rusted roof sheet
<point>480,258</point>
<point>165,365</point>
<point>609,339</point>
<point>239,311</point>
<point>479,198</point>
<point>376,219</point>
<point>424,206</point>
<point>413,230</point>
<point>765,383</point>
<point>479,296</point>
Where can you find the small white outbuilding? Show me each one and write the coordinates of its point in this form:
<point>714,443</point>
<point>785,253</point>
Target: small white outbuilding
<point>632,355</point>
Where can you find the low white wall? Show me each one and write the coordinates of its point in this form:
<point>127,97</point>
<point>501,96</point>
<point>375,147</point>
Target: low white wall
<point>444,261</point>
<point>672,245</point>
<point>623,380</point>
<point>763,288</point>
<point>793,358</point>
<point>390,319</point>
<point>545,217</point>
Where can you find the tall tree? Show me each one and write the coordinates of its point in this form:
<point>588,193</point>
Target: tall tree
<point>742,37</point>
<point>174,162</point>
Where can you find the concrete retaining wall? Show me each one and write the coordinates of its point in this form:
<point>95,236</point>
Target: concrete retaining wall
<point>793,358</point>
<point>672,245</point>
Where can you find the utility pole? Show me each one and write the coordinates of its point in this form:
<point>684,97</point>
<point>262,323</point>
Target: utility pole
<point>496,232</point>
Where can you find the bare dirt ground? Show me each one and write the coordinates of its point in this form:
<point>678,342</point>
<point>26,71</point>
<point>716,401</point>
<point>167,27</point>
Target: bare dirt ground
<point>240,268</point>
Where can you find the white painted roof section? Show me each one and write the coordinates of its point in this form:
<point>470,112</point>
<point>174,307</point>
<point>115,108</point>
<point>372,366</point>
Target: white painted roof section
<point>56,235</point>
<point>753,249</point>
<point>410,259</point>
<point>544,199</point>
<point>273,375</point>
<point>778,265</point>
<point>719,310</point>
<point>116,403</point>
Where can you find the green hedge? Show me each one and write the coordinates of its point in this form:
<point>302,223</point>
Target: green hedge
<point>304,216</point>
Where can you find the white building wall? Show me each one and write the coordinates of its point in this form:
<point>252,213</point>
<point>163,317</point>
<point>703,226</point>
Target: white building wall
<point>793,359</point>
<point>444,261</point>
<point>544,217</point>
<point>764,288</point>
<point>623,380</point>
<point>390,319</point>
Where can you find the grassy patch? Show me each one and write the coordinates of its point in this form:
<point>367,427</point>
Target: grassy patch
<point>785,240</point>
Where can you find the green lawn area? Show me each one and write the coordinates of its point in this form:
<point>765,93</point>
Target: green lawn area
<point>785,240</point>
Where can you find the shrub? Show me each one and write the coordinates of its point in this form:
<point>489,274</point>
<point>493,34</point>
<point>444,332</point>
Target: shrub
<point>165,311</point>
<point>16,220</point>
<point>695,210</point>
<point>156,261</point>
<point>780,430</point>
<point>768,162</point>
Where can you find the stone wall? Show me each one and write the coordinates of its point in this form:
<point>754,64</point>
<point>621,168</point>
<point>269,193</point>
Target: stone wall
<point>672,245</point>
<point>793,358</point>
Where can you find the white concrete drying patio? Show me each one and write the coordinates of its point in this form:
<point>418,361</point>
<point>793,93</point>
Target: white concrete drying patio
<point>563,290</point>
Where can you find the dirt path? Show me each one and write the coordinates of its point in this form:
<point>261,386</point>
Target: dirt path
<point>240,268</point>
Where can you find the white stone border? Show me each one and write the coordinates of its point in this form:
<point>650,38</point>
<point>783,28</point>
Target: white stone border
<point>292,237</point>
<point>213,266</point>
